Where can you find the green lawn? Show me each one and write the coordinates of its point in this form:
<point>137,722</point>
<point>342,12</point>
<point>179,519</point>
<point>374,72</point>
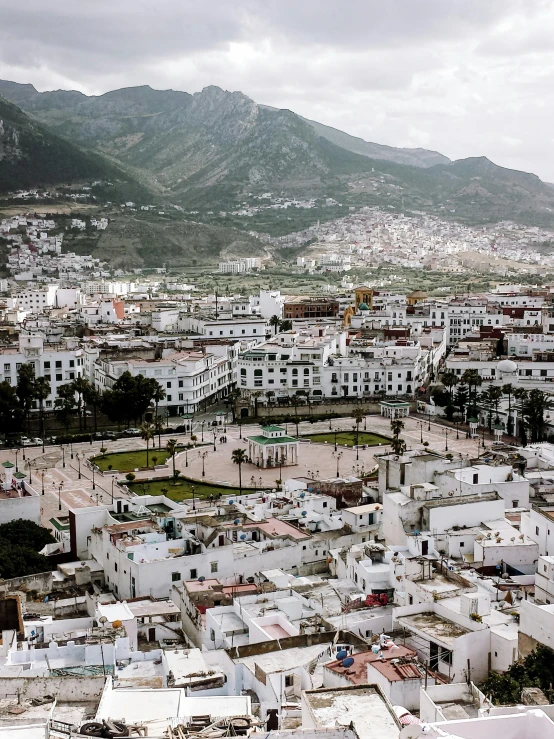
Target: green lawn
<point>348,438</point>
<point>182,490</point>
<point>129,461</point>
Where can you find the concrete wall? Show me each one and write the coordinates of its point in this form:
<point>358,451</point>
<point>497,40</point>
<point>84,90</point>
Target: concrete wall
<point>77,689</point>
<point>27,508</point>
<point>41,582</point>
<point>536,622</point>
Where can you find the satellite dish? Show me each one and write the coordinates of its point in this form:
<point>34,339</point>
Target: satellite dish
<point>201,578</point>
<point>231,502</point>
<point>304,513</point>
<point>348,662</point>
<point>302,495</point>
<point>412,731</point>
<point>243,536</point>
<point>343,654</point>
<point>103,619</point>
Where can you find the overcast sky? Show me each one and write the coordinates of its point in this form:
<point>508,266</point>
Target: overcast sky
<point>464,77</point>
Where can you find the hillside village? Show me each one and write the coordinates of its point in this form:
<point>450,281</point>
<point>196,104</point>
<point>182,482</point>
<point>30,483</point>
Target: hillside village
<point>304,514</point>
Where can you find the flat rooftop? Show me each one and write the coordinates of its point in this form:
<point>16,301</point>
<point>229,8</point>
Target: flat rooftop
<point>364,707</point>
<point>357,673</point>
<point>433,626</point>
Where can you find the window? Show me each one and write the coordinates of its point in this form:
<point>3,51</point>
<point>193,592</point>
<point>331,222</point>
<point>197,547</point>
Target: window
<point>289,681</point>
<point>213,566</point>
<point>515,503</point>
<point>58,364</point>
<point>169,384</point>
<point>536,530</point>
<point>46,365</point>
<point>193,574</point>
<point>115,566</point>
<point>175,576</point>
<point>59,377</point>
<point>72,363</point>
<point>462,545</point>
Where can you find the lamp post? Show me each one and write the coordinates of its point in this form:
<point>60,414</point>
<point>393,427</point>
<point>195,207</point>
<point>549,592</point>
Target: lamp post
<point>42,475</point>
<point>420,431</point>
<point>79,464</point>
<point>240,428</point>
<point>204,455</point>
<point>214,431</point>
<point>60,486</point>
<point>113,479</point>
<point>193,498</point>
<point>63,457</point>
<point>457,429</point>
<point>483,442</point>
<point>93,480</point>
<point>336,432</point>
<point>337,456</point>
<point>71,448</point>
<point>16,453</point>
<point>186,457</point>
<point>203,422</point>
<point>445,440</point>
<point>429,421</point>
<point>30,472</point>
<point>330,426</point>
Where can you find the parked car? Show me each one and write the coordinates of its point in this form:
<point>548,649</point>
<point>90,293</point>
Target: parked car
<point>132,432</point>
<point>25,441</point>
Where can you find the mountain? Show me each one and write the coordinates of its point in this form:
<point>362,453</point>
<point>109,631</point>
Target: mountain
<point>215,150</point>
<point>31,156</point>
<point>411,157</point>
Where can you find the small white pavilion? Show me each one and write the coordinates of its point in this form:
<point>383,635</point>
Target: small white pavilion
<point>273,448</point>
<point>394,409</point>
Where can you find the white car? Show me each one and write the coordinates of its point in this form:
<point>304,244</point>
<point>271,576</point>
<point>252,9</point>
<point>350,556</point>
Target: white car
<point>25,441</point>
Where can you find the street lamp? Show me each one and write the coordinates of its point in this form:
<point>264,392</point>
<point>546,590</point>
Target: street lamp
<point>71,448</point>
<point>30,472</point>
<point>16,453</point>
<point>420,432</point>
<point>42,475</point>
<point>203,455</point>
<point>93,480</point>
<point>336,432</point>
<point>429,420</point>
<point>203,422</point>
<point>186,457</point>
<point>445,440</point>
<point>338,456</point>
<point>457,429</point>
<point>63,457</point>
<point>60,486</point>
<point>79,463</point>
<point>113,479</point>
<point>214,433</point>
<point>193,498</point>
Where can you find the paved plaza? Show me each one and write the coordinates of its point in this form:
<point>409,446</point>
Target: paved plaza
<point>62,485</point>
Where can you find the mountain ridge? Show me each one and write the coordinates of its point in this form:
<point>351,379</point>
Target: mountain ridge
<point>213,150</point>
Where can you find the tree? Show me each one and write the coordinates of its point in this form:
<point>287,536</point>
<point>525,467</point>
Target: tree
<point>41,392</point>
<point>80,387</point>
<point>398,445</point>
<point>94,398</point>
<point>159,426</point>
<point>25,389</point>
<point>520,394</point>
<point>65,404</point>
<point>295,402</point>
<point>534,406</point>
<point>358,415</point>
<point>232,399</point>
<point>461,399</point>
<point>158,394</point>
<point>239,457</point>
<point>450,380</point>
<point>285,326</point>
<point>508,389</point>
<point>11,413</point>
<point>274,322</point>
<point>495,393</point>
<point>171,448</point>
<point>536,670</point>
<point>256,395</point>
<point>20,543</point>
<point>473,380</point>
<point>147,433</point>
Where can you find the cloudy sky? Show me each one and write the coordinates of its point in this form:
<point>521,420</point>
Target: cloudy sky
<point>464,77</point>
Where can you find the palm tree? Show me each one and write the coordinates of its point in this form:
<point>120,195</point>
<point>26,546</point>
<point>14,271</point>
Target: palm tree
<point>508,389</point>
<point>147,433</point>
<point>534,406</point>
<point>495,393</point>
<point>398,445</point>
<point>239,457</point>
<point>232,398</point>
<point>159,426</point>
<point>274,322</point>
<point>158,394</point>
<point>42,391</point>
<point>473,380</point>
<point>520,394</point>
<point>80,386</point>
<point>256,395</point>
<point>358,415</point>
<point>171,448</point>
<point>295,402</point>
<point>450,380</point>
